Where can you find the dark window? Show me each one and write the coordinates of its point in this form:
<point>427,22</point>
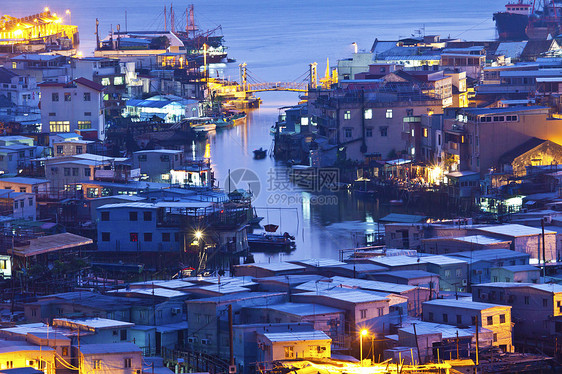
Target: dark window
<point>105,216</point>
<point>384,131</point>
<point>79,149</point>
<point>59,149</point>
<point>502,318</point>
<point>134,237</point>
<point>133,216</point>
<point>148,216</point>
<point>176,236</point>
<point>544,302</point>
<point>128,361</point>
<point>123,334</point>
<point>430,317</point>
<point>87,114</point>
<point>87,96</point>
<point>165,236</point>
<point>445,317</point>
<point>368,132</point>
<point>147,236</point>
<point>67,96</point>
<point>473,320</point>
<point>459,319</point>
<point>526,300</point>
<point>105,236</point>
<point>490,320</point>
<point>55,96</point>
<point>87,172</point>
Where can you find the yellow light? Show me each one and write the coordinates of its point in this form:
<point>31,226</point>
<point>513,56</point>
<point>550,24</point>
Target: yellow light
<point>364,332</point>
<point>46,9</point>
<point>68,11</point>
<point>54,14</point>
<point>198,235</point>
<point>79,54</point>
<point>18,33</point>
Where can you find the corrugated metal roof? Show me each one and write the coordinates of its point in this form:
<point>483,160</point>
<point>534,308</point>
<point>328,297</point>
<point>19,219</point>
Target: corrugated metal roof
<point>489,254</point>
<point>464,304</point>
<point>296,336</point>
<point>275,266</point>
<point>96,323</point>
<point>91,349</point>
<point>397,260</point>
<point>520,268</point>
<point>319,262</point>
<point>373,285</point>
<point>302,309</point>
<point>514,230</point>
<point>350,296</point>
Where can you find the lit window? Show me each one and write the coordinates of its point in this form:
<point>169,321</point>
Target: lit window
<point>368,114</point>
<point>84,125</point>
<point>389,113</point>
<point>105,81</point>
<point>425,132</point>
<point>118,81</point>
<point>134,237</point>
<point>347,114</point>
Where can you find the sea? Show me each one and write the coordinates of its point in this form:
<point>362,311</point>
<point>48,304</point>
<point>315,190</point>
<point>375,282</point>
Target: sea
<point>278,39</point>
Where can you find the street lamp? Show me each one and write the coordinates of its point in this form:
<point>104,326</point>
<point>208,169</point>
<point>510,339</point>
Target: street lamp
<point>69,16</point>
<point>362,333</point>
<point>198,235</point>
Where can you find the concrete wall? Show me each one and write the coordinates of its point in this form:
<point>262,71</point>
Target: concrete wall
<point>111,363</point>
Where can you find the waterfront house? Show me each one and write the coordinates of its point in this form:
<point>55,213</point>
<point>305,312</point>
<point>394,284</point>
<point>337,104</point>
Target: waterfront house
<point>536,308</point>
<point>246,349</point>
<point>364,309</point>
<point>269,269</point>
<point>451,244</point>
<point>156,165</point>
<point>116,358</point>
<point>496,318</point>
<point>433,337</point>
<point>274,346</point>
<point>418,278</point>
<point>516,273</point>
<point>207,318</point>
<point>324,318</point>
<point>525,239</point>
<point>74,106</point>
<point>481,262</point>
<point>453,272</point>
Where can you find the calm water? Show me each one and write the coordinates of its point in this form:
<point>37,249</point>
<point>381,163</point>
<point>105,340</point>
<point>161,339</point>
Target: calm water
<point>278,41</point>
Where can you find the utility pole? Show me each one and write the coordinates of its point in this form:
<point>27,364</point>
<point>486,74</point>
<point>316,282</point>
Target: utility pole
<point>457,344</point>
<point>477,349</point>
<point>231,334</point>
<point>543,250</point>
<point>417,345</point>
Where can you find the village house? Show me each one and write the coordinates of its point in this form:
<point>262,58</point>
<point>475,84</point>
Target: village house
<point>74,106</point>
<point>496,318</point>
<point>536,308</point>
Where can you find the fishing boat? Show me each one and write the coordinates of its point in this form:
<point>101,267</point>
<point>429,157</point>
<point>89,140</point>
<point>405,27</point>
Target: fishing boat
<point>269,242</point>
<point>259,154</point>
<point>203,46</point>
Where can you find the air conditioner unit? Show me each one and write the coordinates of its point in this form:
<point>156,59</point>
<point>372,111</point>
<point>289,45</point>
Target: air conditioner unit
<point>464,282</point>
<point>191,340</point>
<point>547,219</point>
<point>176,310</point>
<point>205,341</point>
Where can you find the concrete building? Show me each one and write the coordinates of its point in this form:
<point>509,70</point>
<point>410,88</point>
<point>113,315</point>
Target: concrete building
<point>476,138</point>
<point>536,308</point>
<point>212,337</point>
<point>324,318</point>
<point>156,165</point>
<point>293,345</point>
<point>516,273</point>
<point>448,245</point>
<point>526,239</point>
<point>496,318</point>
<point>116,358</point>
<point>481,262</point>
<point>270,269</point>
<point>74,106</point>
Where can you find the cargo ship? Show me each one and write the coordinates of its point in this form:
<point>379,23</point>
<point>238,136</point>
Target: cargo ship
<point>522,20</point>
<point>512,23</point>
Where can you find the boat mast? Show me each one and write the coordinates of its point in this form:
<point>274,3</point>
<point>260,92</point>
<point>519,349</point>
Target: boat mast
<point>165,20</point>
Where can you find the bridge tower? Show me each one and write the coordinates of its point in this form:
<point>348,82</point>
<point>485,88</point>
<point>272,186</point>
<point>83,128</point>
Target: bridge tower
<point>243,75</point>
<point>313,75</point>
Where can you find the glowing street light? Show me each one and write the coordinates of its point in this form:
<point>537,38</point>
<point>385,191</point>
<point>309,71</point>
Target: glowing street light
<point>198,235</point>
<point>46,9</point>
<point>362,333</point>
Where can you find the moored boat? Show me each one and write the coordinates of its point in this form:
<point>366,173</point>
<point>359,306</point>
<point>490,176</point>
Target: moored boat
<point>268,242</point>
<point>260,154</point>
